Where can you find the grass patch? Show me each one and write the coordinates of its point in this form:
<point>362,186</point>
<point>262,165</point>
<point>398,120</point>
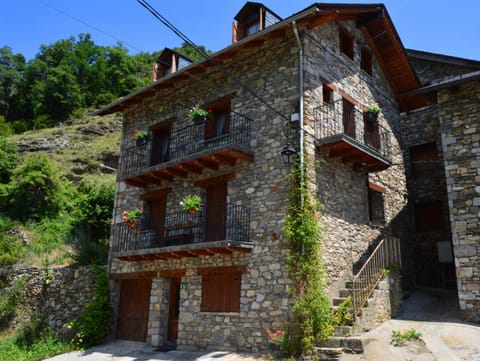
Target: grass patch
<point>32,343</point>
<point>400,339</point>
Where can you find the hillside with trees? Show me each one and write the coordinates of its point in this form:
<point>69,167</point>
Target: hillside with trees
<point>57,163</point>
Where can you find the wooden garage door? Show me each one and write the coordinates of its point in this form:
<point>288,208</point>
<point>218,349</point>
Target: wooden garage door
<point>133,309</point>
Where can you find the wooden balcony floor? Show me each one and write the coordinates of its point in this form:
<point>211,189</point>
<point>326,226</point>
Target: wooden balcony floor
<point>190,250</point>
<point>351,151</point>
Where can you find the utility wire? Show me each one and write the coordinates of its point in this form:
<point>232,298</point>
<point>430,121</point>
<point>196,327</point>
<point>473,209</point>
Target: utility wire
<point>185,38</point>
<point>88,25</point>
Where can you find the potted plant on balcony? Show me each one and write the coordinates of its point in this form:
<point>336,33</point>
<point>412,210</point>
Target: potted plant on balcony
<point>199,115</point>
<point>132,218</point>
<point>371,112</point>
<point>141,137</point>
<point>191,204</point>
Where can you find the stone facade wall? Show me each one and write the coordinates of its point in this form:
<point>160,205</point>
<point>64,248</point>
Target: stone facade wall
<point>272,71</point>
<point>340,188</point>
<point>460,126</point>
<point>60,293</point>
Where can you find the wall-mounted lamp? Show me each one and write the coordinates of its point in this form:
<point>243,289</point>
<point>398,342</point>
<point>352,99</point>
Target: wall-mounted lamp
<point>290,130</point>
<point>288,152</point>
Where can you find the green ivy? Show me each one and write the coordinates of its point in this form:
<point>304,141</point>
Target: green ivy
<point>94,324</point>
<point>311,320</point>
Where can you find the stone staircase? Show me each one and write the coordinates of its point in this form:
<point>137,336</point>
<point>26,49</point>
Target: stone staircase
<point>346,338</point>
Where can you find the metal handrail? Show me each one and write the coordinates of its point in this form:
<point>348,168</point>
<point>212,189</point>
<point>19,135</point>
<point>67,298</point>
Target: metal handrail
<point>186,142</point>
<point>330,121</point>
<point>182,228</point>
<point>386,254</point>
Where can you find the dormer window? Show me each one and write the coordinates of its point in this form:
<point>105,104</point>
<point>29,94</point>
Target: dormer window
<point>252,18</point>
<point>168,62</point>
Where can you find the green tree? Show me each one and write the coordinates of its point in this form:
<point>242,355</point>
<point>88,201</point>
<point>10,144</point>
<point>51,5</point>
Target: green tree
<point>8,159</point>
<point>191,53</point>
<point>36,189</point>
<point>12,67</point>
<point>91,226</point>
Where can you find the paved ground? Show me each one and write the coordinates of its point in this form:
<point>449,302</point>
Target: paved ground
<point>445,337</point>
<point>433,313</point>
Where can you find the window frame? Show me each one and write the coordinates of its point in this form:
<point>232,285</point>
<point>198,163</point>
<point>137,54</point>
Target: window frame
<point>375,194</point>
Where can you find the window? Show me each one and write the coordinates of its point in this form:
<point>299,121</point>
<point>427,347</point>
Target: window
<point>221,288</point>
<point>366,60</point>
<point>346,43</point>
<point>376,207</point>
<point>327,93</point>
<point>429,216</point>
<point>160,144</point>
<point>219,123</point>
<point>424,158</point>
<point>155,207</point>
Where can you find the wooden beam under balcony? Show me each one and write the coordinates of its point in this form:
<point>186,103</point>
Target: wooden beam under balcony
<point>193,250</point>
<point>350,151</point>
<point>195,164</point>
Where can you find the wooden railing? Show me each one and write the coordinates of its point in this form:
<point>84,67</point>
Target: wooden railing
<point>386,254</point>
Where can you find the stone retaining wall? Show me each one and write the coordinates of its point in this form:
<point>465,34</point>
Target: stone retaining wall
<point>60,293</point>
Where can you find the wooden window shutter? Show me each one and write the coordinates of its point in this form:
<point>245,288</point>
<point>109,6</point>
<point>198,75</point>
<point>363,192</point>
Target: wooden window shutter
<point>221,289</point>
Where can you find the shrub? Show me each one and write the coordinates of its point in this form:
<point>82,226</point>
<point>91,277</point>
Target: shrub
<point>36,189</point>
<point>91,226</point>
<point>10,301</point>
<point>94,324</point>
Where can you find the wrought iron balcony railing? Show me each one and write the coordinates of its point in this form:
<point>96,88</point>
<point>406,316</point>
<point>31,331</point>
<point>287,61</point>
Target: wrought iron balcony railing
<point>341,118</point>
<point>223,222</point>
<point>186,143</point>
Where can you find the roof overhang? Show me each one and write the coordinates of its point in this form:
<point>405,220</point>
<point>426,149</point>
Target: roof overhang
<point>372,19</point>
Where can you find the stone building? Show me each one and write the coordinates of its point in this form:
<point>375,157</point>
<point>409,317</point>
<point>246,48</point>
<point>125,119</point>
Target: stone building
<point>218,278</point>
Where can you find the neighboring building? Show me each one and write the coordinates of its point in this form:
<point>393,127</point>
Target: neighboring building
<point>218,278</point>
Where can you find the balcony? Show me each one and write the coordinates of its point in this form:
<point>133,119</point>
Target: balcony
<point>187,150</point>
<point>222,228</point>
<point>344,132</point>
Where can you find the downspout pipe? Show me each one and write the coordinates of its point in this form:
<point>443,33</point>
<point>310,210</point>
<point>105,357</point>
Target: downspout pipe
<point>300,100</point>
<point>300,90</point>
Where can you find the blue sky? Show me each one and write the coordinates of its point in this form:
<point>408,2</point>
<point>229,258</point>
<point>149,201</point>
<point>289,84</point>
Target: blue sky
<point>439,26</point>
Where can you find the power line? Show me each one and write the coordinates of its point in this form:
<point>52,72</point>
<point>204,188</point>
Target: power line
<point>185,38</point>
<point>88,25</point>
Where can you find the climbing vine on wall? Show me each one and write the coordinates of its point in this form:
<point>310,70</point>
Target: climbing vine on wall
<point>311,319</point>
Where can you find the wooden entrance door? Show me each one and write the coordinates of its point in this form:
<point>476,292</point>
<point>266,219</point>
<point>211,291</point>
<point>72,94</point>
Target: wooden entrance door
<point>216,217</point>
<point>173,309</point>
<point>133,309</point>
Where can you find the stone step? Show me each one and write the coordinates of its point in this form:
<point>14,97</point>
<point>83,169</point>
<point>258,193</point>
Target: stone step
<point>328,353</point>
<point>345,293</point>
<point>347,344</point>
<point>337,301</point>
<point>343,331</point>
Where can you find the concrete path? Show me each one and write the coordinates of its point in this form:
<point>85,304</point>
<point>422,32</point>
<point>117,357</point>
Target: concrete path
<point>137,351</point>
<point>445,337</point>
<point>433,313</point>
